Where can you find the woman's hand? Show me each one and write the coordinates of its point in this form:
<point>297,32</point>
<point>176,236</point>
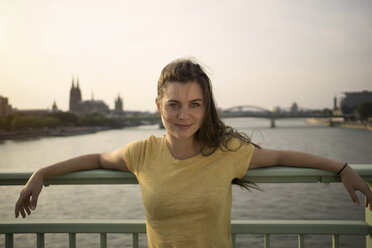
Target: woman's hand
<point>27,200</point>
<point>353,182</point>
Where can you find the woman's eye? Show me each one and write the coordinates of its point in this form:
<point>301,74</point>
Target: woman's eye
<point>173,105</point>
<point>195,104</point>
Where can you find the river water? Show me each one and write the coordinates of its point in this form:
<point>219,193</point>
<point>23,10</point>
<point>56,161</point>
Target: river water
<point>278,201</point>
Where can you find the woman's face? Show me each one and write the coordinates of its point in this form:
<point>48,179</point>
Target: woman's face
<point>181,109</point>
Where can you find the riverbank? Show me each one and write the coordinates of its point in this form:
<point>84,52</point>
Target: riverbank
<point>336,122</point>
<point>66,131</point>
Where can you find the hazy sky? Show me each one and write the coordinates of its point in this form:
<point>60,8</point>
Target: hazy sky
<point>263,53</point>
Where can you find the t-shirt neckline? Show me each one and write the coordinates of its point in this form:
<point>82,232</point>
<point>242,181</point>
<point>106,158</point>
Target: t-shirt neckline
<point>175,160</point>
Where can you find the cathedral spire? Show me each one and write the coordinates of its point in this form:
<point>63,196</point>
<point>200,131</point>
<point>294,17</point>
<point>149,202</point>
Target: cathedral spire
<point>72,82</point>
<point>77,84</point>
<point>54,106</point>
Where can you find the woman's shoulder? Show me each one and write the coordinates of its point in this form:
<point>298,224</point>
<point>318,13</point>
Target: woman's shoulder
<point>235,143</point>
<point>156,139</point>
<point>139,149</point>
<point>152,140</point>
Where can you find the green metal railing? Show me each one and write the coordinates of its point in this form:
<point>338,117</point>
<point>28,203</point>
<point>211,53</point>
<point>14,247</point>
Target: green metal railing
<point>335,228</point>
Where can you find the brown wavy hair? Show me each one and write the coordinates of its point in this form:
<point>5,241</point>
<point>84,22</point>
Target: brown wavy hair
<point>213,132</point>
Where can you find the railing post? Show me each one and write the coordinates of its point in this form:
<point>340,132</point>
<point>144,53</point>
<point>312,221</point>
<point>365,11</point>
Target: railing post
<point>40,240</point>
<point>103,240</point>
<point>135,240</point>
<point>369,222</point>
<point>233,240</point>
<point>335,241</point>
<point>267,241</point>
<point>301,241</point>
<point>9,240</point>
<point>72,240</point>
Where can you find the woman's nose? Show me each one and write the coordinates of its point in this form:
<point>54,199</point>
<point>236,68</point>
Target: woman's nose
<point>183,113</point>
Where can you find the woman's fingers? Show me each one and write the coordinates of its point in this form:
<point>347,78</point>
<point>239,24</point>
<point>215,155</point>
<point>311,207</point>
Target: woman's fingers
<point>21,209</point>
<point>27,205</point>
<point>367,192</point>
<point>353,196</point>
<point>23,204</point>
<point>34,198</point>
<point>364,188</point>
<point>19,205</point>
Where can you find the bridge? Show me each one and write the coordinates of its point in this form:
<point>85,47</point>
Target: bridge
<point>259,112</point>
<point>238,112</point>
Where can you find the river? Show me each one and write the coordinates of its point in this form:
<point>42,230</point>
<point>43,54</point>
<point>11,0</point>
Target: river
<point>278,201</point>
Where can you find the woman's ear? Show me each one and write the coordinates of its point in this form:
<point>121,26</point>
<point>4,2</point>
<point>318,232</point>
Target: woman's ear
<point>157,104</point>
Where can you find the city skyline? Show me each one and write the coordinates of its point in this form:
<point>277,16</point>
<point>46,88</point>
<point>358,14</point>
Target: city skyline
<point>76,83</point>
<point>257,53</point>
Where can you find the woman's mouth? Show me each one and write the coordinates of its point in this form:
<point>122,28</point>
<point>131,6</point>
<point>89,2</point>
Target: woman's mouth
<point>183,126</point>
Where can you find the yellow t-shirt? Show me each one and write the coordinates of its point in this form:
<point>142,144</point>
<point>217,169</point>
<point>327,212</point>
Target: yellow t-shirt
<point>187,202</point>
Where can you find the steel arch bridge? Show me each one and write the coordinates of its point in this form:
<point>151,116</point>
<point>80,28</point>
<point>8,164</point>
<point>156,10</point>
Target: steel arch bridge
<point>259,112</point>
<point>246,108</point>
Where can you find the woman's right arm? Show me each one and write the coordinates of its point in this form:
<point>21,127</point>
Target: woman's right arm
<point>27,200</point>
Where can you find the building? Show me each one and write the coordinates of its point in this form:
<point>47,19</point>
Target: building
<point>353,99</point>
<point>294,108</point>
<point>5,108</point>
<point>119,105</point>
<point>78,106</point>
<point>54,107</point>
<point>75,97</point>
<point>94,106</point>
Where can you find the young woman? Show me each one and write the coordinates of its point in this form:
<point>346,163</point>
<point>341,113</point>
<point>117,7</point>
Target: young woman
<point>186,175</point>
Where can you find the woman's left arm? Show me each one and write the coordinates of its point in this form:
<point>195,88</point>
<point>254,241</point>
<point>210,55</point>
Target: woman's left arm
<point>351,180</point>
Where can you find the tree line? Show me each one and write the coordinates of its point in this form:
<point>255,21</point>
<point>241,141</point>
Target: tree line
<point>364,111</point>
<point>54,120</point>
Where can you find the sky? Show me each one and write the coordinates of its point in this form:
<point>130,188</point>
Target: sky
<point>261,53</point>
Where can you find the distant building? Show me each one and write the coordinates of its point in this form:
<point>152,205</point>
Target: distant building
<point>294,108</point>
<point>5,108</point>
<point>54,107</point>
<point>75,97</point>
<point>334,103</point>
<point>94,106</point>
<point>78,106</point>
<point>353,99</point>
<point>119,105</point>
<point>276,109</point>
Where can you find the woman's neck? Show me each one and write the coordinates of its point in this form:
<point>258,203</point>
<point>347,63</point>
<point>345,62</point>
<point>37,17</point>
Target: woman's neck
<point>183,148</point>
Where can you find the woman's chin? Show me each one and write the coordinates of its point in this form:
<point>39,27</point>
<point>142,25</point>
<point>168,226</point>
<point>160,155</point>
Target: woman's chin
<point>181,136</point>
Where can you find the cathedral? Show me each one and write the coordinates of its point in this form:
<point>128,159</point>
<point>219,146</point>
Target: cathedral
<point>78,106</point>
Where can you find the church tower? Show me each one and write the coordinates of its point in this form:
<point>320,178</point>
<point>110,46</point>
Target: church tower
<point>54,107</point>
<point>75,97</point>
<point>118,105</point>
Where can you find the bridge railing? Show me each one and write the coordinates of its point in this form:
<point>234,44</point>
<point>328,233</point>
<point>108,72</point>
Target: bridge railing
<point>334,228</point>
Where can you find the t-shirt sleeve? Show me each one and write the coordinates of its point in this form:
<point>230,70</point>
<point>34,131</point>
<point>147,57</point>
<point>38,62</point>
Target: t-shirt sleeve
<point>242,160</point>
<point>134,154</point>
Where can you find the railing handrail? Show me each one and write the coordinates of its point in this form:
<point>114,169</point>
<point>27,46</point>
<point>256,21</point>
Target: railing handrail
<point>308,227</point>
<point>277,174</point>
